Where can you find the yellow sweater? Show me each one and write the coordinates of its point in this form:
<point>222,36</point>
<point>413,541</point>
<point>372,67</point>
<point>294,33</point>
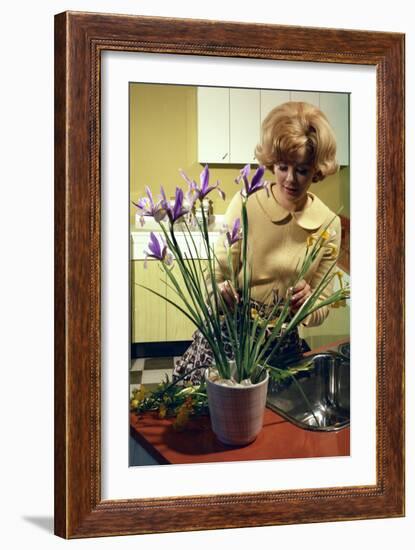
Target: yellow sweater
<point>276,242</point>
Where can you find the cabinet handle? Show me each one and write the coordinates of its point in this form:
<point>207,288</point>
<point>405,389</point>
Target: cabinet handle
<point>224,156</point>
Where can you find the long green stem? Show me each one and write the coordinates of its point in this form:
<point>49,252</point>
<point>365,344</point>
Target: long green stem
<point>192,284</point>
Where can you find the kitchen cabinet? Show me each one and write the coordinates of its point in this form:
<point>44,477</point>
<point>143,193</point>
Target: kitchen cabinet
<point>153,319</point>
<point>308,97</point>
<point>178,326</point>
<point>228,124</point>
<point>148,310</point>
<point>229,120</point>
<point>213,124</point>
<point>270,99</point>
<point>244,125</point>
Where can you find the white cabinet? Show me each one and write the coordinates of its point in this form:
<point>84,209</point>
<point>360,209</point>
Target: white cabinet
<point>272,98</point>
<point>308,97</point>
<point>213,124</point>
<point>228,125</point>
<point>229,120</point>
<point>244,124</point>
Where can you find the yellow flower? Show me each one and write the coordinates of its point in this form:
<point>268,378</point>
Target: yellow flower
<point>254,313</point>
<point>141,393</point>
<point>340,277</point>
<point>183,414</point>
<point>311,240</point>
<point>325,235</point>
<point>272,323</point>
<point>339,303</point>
<point>182,419</point>
<point>162,411</point>
<point>333,250</point>
<point>134,404</point>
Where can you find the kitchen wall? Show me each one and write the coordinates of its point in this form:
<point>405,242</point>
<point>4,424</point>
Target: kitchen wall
<point>163,134</point>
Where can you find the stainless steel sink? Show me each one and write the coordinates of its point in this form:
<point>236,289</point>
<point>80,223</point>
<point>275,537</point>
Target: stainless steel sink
<point>319,397</point>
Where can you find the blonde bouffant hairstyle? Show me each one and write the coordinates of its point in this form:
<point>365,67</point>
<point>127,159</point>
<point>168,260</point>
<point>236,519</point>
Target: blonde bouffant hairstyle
<point>295,128</point>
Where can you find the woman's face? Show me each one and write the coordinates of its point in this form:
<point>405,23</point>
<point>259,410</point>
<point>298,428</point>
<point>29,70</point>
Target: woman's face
<point>293,180</point>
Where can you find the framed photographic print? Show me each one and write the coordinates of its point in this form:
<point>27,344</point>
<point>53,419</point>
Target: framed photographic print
<point>189,126</point>
<point>144,102</point>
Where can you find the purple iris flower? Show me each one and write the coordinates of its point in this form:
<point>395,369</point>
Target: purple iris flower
<point>196,192</point>
<point>256,184</point>
<point>147,207</point>
<point>235,234</point>
<point>177,210</point>
<point>157,249</point>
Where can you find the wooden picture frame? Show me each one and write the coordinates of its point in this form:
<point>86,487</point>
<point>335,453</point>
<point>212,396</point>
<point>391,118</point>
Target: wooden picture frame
<point>79,509</point>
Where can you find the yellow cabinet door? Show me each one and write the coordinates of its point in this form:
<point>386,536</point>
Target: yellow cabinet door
<point>179,327</point>
<point>148,310</point>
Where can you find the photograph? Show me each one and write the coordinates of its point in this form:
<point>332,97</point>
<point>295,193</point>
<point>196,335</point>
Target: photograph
<point>239,210</point>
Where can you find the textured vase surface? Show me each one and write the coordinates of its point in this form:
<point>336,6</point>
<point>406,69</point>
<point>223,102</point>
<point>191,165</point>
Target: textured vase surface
<point>237,412</point>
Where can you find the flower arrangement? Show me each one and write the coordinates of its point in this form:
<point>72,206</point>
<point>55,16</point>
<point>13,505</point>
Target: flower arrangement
<point>255,337</point>
<point>170,400</point>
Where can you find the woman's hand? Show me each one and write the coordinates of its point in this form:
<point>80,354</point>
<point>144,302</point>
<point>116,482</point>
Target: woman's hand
<point>299,294</point>
<point>229,294</point>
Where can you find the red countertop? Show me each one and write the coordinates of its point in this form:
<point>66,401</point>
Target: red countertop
<point>197,443</point>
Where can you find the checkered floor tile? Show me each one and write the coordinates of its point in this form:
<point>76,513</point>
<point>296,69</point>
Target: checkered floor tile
<point>150,371</point>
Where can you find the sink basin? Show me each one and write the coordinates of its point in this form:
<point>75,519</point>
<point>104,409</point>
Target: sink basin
<point>319,398</point>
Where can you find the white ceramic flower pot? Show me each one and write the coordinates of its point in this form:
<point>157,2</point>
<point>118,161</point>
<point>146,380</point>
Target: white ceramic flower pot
<point>237,412</point>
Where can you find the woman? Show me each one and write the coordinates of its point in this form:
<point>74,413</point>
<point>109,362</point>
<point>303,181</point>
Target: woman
<point>299,147</point>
